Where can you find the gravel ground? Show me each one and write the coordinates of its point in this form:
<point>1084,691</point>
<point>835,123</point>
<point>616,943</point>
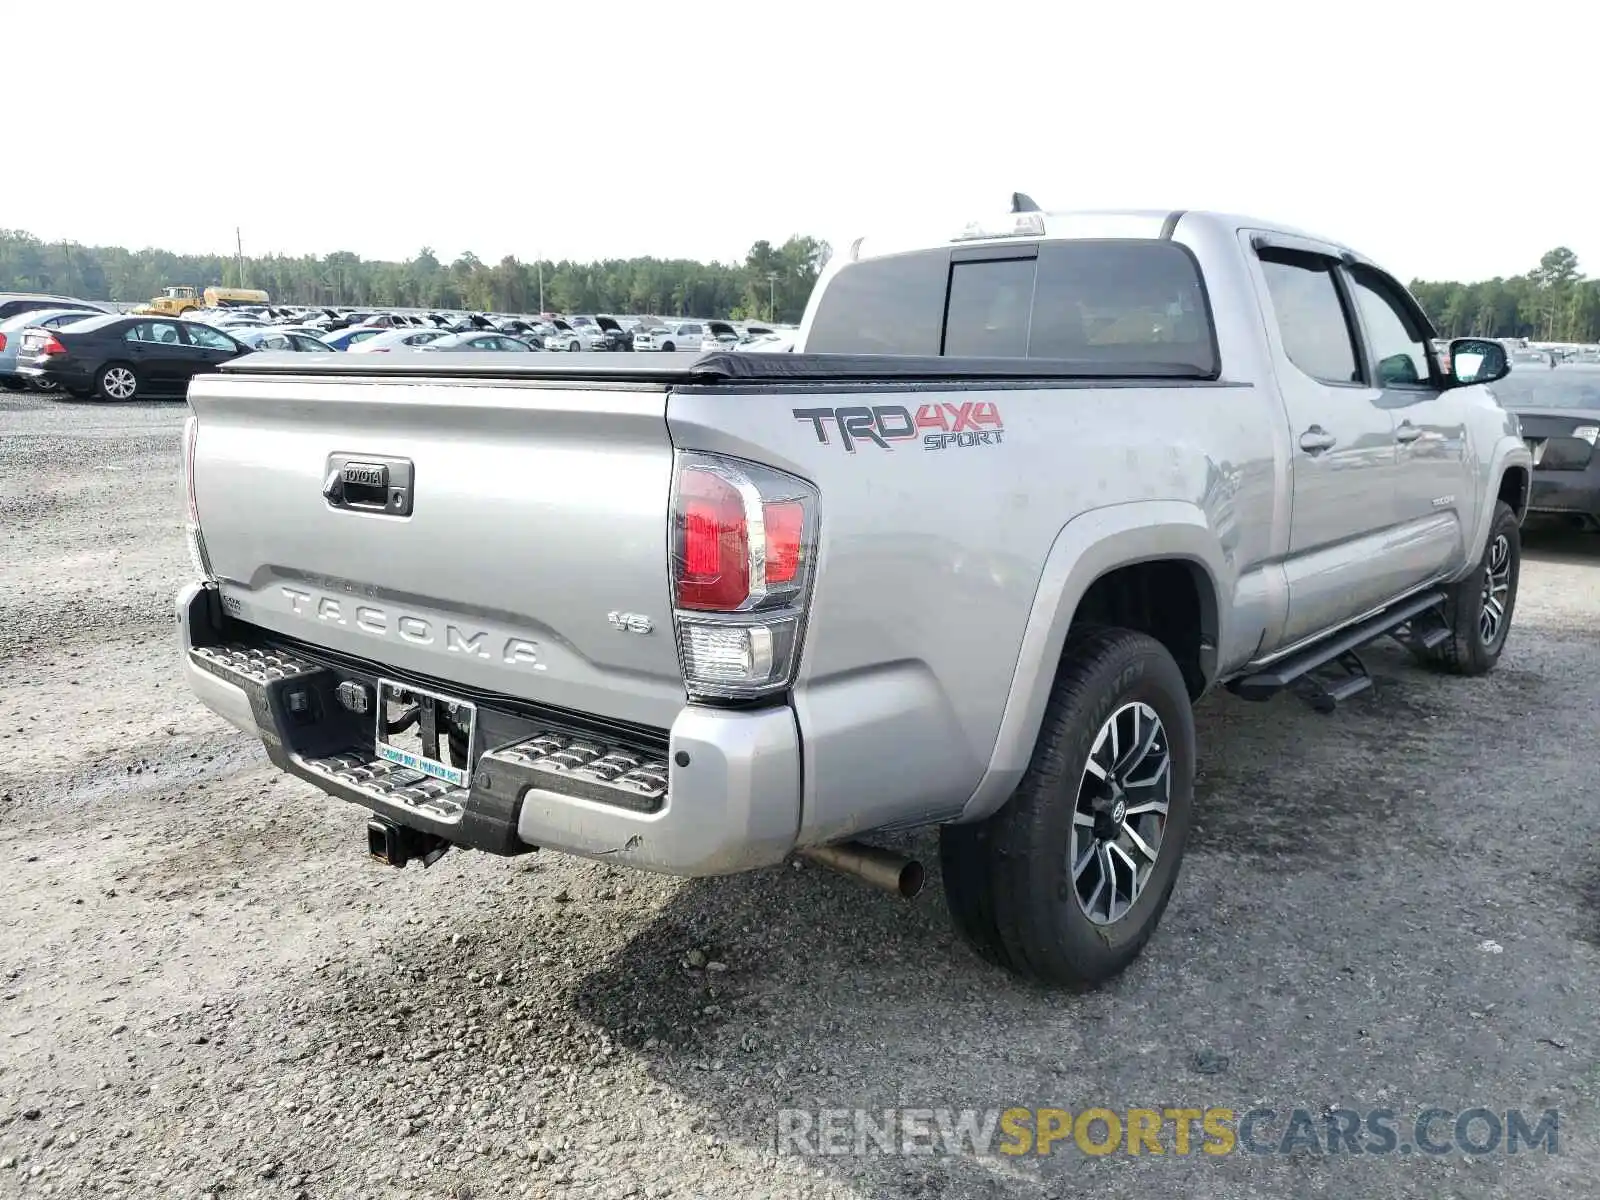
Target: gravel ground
<point>208,988</point>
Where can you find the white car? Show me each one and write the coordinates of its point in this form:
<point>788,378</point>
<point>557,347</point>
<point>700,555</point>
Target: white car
<point>557,335</point>
<point>776,342</point>
<point>406,337</point>
<point>672,336</point>
<point>590,333</point>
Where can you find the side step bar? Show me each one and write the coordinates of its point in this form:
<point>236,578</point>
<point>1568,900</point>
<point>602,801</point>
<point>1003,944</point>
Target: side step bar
<point>1339,649</point>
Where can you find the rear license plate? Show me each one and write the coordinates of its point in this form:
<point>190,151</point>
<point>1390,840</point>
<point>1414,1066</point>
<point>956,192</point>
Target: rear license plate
<point>415,728</point>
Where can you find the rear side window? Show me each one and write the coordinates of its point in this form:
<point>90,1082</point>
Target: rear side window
<point>1311,316</point>
<point>892,305</point>
<point>1128,302</point>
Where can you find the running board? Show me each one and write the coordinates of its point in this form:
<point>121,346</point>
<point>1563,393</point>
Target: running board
<point>1427,631</point>
<point>1337,649</point>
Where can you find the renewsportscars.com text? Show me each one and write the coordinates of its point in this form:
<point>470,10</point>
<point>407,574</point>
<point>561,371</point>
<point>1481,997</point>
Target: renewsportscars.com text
<point>1178,1131</point>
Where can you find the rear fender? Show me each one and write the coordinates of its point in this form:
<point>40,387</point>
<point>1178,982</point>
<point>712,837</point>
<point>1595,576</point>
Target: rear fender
<point>1087,548</point>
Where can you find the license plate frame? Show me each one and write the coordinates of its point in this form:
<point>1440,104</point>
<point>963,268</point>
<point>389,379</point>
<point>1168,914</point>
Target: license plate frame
<point>429,713</point>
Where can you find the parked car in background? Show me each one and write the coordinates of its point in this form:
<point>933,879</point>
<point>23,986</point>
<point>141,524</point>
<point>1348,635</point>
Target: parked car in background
<point>11,342</point>
<point>479,341</point>
<point>516,327</point>
<point>618,337</point>
<point>13,303</point>
<point>280,339</point>
<point>558,335</point>
<point>399,339</point>
<point>343,339</point>
<point>720,335</point>
<point>125,357</point>
<point>672,336</point>
<point>591,334</point>
<point>1560,415</point>
<point>769,343</point>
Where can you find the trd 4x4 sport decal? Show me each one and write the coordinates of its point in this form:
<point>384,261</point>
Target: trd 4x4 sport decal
<point>940,426</point>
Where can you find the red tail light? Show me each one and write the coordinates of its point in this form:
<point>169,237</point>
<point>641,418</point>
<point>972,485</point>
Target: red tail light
<point>785,522</point>
<point>743,540</point>
<point>2,341</point>
<point>52,346</point>
<point>716,543</point>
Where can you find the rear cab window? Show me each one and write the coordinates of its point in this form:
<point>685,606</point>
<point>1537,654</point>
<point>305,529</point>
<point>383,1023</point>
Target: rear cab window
<point>1131,302</point>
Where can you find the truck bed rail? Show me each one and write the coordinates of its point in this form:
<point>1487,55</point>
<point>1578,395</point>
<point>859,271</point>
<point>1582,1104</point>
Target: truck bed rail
<point>702,369</point>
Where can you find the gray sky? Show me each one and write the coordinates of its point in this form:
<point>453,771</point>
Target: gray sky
<point>1415,131</point>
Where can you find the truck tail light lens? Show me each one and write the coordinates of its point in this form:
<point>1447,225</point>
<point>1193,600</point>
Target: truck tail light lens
<point>743,540</point>
<point>785,524</point>
<point>715,572</point>
<point>198,558</point>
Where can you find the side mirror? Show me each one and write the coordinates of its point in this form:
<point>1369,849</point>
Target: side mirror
<point>1477,360</point>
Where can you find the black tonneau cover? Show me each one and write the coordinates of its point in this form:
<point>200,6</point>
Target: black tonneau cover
<point>699,369</point>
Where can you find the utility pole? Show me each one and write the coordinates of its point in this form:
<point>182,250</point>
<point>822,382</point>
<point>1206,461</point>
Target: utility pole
<point>772,296</point>
<point>541,283</point>
<point>238,248</point>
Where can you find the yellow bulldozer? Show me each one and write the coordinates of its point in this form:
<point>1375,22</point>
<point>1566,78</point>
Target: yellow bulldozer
<point>175,301</point>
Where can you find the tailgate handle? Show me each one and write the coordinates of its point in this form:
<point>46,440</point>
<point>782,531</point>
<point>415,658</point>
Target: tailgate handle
<point>369,483</point>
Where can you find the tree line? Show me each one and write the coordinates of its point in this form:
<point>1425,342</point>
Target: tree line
<point>773,282</point>
<point>1551,303</point>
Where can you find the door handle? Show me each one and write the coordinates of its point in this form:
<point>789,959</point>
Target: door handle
<point>1407,433</point>
<point>1317,439</point>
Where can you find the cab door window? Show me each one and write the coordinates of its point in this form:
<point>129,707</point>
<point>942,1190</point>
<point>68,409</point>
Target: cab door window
<point>1316,330</point>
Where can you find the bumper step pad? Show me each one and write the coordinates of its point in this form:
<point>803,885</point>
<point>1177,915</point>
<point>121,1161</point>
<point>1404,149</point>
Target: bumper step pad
<point>623,776</point>
<point>251,664</point>
<point>384,780</point>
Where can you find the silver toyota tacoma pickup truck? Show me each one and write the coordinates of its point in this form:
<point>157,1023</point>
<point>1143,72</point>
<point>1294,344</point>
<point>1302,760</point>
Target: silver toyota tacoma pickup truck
<point>1025,492</point>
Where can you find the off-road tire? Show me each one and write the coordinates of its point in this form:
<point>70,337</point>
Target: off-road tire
<point>1465,651</point>
<point>1007,879</point>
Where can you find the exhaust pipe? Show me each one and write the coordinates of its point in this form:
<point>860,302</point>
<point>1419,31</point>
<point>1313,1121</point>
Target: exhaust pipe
<point>882,868</point>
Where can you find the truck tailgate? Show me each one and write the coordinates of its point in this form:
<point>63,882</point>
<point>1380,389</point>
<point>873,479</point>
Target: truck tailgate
<point>534,515</point>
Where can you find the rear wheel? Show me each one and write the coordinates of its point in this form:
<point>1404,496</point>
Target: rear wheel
<point>118,381</point>
<point>1067,882</point>
<point>668,347</point>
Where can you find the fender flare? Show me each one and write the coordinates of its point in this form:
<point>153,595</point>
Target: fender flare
<point>1088,547</point>
<point>1510,452</point>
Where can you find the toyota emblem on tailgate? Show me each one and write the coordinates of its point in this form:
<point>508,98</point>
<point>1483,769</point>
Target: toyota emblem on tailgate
<point>372,475</point>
